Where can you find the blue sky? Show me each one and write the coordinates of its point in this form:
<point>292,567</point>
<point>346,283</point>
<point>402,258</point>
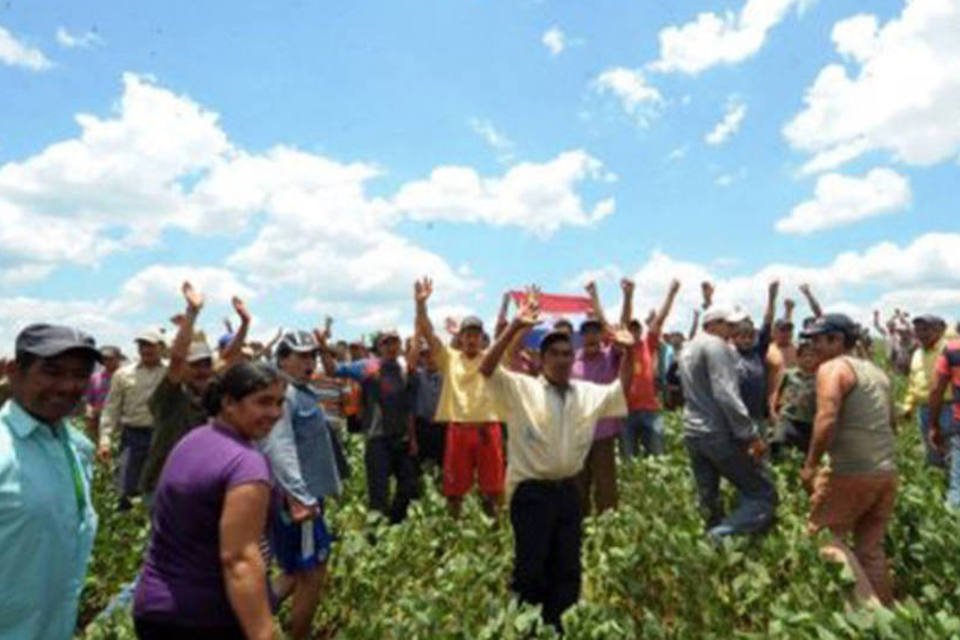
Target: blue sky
<point>315,158</point>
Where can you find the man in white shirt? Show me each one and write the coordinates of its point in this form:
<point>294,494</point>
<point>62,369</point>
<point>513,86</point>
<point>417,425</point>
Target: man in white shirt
<point>551,419</point>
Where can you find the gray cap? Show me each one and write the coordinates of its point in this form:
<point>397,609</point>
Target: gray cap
<point>199,350</point>
<point>471,322</point>
<point>299,341</point>
<point>831,323</point>
<point>149,336</point>
<point>49,340</point>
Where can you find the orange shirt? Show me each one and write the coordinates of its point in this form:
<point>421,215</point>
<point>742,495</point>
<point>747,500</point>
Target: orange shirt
<point>643,389</point>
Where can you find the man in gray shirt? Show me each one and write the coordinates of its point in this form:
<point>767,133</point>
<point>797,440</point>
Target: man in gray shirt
<point>721,438</point>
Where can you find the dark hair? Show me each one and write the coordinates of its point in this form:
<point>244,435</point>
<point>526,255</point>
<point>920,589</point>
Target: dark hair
<point>552,338</point>
<point>25,359</point>
<point>238,382</point>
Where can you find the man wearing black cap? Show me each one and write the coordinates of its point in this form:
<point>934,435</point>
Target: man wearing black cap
<point>855,494</point>
<point>47,521</point>
<point>929,331</point>
<point>552,418</point>
<point>177,402</point>
<point>128,408</point>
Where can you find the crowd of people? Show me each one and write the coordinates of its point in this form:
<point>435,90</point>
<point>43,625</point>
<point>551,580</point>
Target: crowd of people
<point>237,449</point>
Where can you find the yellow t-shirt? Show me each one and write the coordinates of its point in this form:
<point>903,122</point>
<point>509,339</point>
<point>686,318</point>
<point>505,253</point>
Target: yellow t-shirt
<point>464,396</point>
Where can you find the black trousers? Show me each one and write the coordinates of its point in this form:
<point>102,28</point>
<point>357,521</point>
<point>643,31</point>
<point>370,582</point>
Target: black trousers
<point>150,630</point>
<point>431,441</point>
<point>387,457</point>
<point>546,528</point>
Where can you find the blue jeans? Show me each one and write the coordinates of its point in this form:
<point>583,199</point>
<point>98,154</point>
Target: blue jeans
<point>645,427</point>
<point>720,456</point>
<point>934,459</point>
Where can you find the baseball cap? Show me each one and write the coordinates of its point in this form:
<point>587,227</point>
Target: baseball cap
<point>552,336</point>
<point>109,351</point>
<point>199,351</point>
<point>299,341</point>
<point>720,314</point>
<point>471,322</point>
<point>387,334</point>
<point>831,323</point>
<point>591,324</point>
<point>49,340</point>
<point>149,336</point>
<point>929,318</point>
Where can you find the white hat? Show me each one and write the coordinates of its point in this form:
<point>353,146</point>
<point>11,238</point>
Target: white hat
<point>724,314</point>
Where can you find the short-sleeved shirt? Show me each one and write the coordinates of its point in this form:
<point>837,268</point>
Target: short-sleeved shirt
<point>603,368</point>
<point>98,389</point>
<point>429,384</point>
<point>752,375</point>
<point>551,430</point>
<point>176,410</point>
<point>798,395</point>
<point>948,365</point>
<point>47,524</point>
<point>464,396</point>
<point>643,389</point>
<point>182,577</point>
<point>389,395</point>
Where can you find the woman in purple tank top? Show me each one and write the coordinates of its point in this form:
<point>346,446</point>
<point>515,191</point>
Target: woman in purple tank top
<point>204,575</point>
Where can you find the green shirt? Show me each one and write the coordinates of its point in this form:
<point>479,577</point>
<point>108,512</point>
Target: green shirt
<point>47,525</point>
<point>175,410</point>
<point>798,393</point>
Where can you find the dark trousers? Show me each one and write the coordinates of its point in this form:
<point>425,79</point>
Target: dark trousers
<point>431,441</point>
<point>384,457</point>
<point>150,630</point>
<point>134,447</point>
<point>546,530</point>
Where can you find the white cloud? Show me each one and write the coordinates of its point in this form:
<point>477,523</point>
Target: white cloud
<point>728,178</point>
<point>735,112</point>
<point>84,40</point>
<point>18,54</point>
<point>639,99</point>
<point>678,154</point>
<point>898,90</point>
<point>539,198</point>
<point>849,282</point>
<point>497,140</point>
<point>158,286</point>
<point>554,40</point>
<point>712,39</point>
<point>840,200</point>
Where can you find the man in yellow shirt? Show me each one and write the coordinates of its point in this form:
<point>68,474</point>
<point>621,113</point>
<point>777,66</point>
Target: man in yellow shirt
<point>474,443</point>
<point>930,331</point>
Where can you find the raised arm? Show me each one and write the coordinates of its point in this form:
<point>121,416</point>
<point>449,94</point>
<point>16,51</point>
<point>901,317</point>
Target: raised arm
<point>526,317</point>
<point>788,307</point>
<point>502,321</point>
<point>707,291</point>
<point>624,343</point>
<point>422,290</point>
<point>877,324</point>
<point>772,291</point>
<point>328,358</point>
<point>628,287</point>
<point>663,313</point>
<point>694,325</point>
<point>811,300</point>
<point>185,325</point>
<point>232,351</point>
<point>591,288</point>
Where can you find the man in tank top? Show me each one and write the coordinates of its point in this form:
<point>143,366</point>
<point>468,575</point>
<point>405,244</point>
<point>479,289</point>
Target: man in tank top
<point>854,493</point>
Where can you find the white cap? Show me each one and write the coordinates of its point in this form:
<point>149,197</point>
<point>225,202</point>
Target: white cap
<point>724,314</point>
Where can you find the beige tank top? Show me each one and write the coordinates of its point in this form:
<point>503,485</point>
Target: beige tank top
<point>864,440</point>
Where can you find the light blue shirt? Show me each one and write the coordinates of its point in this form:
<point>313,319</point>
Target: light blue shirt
<point>46,538</point>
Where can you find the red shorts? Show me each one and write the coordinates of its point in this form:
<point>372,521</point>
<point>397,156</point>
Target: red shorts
<point>469,447</point>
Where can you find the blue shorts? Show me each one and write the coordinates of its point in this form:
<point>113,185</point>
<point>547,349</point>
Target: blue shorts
<point>300,546</point>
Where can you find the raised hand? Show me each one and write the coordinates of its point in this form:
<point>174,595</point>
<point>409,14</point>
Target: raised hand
<point>327,326</point>
<point>423,289</point>
<point>241,308</point>
<point>193,297</point>
<point>528,314</point>
<point>789,304</point>
<point>591,288</point>
<point>674,286</point>
<point>774,288</point>
<point>706,288</point>
<point>804,289</point>
<point>627,286</point>
<point>622,337</point>
<point>452,325</point>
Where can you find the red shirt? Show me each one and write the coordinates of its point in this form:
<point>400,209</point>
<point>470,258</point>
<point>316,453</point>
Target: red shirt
<point>948,365</point>
<point>643,389</point>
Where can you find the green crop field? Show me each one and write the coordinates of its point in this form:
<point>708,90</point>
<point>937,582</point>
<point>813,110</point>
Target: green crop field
<point>649,572</point>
